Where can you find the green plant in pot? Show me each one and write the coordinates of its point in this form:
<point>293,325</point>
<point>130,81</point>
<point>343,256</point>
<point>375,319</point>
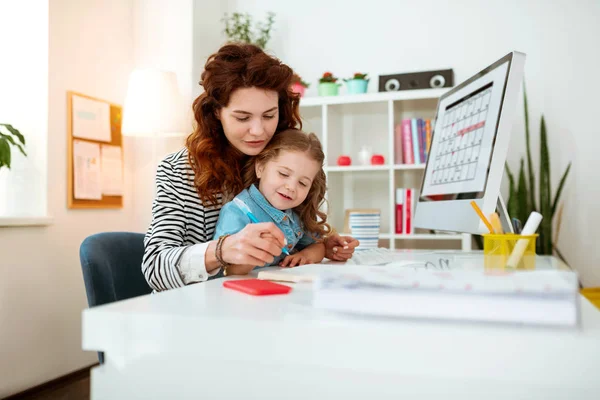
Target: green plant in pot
<point>240,28</point>
<point>328,85</point>
<point>9,136</point>
<point>521,200</point>
<point>358,83</point>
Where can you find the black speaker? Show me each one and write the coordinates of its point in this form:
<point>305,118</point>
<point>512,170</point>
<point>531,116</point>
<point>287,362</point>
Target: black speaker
<point>416,80</point>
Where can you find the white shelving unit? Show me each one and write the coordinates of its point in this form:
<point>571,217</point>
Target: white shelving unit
<point>345,124</point>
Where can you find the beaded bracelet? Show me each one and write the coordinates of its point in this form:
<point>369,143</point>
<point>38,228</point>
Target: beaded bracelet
<point>219,254</point>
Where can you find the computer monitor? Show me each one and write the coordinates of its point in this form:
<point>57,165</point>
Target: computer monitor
<point>468,149</point>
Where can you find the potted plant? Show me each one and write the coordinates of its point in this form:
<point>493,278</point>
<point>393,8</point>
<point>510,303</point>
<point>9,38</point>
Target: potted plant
<point>298,85</point>
<point>240,28</point>
<point>522,190</point>
<point>9,136</point>
<point>328,85</point>
<point>358,83</point>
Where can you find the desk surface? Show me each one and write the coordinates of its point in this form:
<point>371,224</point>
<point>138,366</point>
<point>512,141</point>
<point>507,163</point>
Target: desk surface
<point>204,326</point>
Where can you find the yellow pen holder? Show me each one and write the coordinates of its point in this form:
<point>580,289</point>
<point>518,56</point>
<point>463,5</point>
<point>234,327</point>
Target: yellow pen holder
<point>497,250</point>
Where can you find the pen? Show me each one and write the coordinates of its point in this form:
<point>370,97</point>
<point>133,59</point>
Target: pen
<point>516,225</point>
<point>483,218</point>
<point>242,206</point>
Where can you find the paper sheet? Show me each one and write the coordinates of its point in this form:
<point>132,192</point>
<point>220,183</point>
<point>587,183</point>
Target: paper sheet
<point>87,174</point>
<point>112,170</point>
<point>91,119</point>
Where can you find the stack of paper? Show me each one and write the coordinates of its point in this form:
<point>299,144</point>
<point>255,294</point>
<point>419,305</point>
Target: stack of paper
<point>535,297</point>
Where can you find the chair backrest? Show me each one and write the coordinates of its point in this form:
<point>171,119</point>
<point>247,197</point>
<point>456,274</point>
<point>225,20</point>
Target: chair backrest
<point>112,267</point>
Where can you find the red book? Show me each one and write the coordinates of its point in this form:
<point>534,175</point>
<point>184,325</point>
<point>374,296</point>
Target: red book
<point>408,211</point>
<point>399,210</point>
<point>407,146</point>
<point>398,159</point>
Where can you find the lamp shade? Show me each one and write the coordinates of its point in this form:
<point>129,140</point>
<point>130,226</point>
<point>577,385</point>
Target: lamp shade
<point>153,105</point>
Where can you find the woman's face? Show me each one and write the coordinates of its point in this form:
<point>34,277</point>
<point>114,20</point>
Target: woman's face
<point>250,119</point>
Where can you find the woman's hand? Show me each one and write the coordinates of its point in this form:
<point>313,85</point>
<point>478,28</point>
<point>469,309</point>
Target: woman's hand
<point>253,246</point>
<point>340,248</point>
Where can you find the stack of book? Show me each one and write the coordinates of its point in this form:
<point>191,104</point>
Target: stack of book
<point>546,297</point>
<point>412,139</point>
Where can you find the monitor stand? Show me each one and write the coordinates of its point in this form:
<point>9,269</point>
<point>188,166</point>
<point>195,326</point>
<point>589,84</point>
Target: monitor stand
<point>505,221</point>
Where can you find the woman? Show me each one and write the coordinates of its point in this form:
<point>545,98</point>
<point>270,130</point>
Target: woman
<point>246,101</point>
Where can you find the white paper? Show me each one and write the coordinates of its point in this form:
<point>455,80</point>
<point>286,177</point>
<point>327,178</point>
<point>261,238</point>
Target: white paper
<point>86,169</point>
<point>112,170</point>
<point>91,119</point>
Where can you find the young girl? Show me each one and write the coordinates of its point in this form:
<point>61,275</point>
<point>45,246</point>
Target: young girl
<point>286,186</point>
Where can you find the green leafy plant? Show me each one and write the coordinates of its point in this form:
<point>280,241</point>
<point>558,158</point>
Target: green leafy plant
<point>9,136</point>
<point>521,201</point>
<point>297,79</point>
<point>239,28</point>
<point>358,75</point>
<point>328,78</point>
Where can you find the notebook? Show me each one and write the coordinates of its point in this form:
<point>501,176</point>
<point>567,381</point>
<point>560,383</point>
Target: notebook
<point>295,275</point>
<point>528,297</point>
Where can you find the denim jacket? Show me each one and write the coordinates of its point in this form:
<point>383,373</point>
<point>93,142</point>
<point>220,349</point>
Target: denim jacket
<point>232,220</point>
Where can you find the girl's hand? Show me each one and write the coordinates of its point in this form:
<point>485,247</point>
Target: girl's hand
<point>255,245</point>
<point>295,260</point>
<point>340,248</point>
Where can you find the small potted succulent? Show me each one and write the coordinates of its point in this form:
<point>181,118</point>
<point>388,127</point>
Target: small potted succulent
<point>328,85</point>
<point>358,83</point>
<point>298,85</point>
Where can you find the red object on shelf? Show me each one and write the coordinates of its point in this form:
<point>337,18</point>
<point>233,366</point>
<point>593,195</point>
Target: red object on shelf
<point>344,160</point>
<point>377,159</point>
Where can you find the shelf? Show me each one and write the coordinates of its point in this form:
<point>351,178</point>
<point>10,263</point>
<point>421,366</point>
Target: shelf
<point>428,236</point>
<point>356,168</point>
<point>26,221</point>
<point>372,97</point>
<point>399,167</point>
<point>417,236</point>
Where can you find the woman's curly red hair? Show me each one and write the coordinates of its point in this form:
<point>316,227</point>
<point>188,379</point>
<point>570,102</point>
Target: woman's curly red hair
<point>216,164</point>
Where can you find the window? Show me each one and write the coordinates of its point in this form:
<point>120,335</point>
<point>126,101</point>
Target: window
<point>24,104</point>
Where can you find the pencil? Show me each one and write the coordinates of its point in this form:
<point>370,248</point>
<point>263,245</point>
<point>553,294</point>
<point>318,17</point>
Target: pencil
<point>496,224</point>
<point>483,218</point>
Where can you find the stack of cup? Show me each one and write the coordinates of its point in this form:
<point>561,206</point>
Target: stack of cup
<point>364,226</point>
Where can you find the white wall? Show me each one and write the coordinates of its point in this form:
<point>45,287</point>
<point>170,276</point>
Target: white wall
<point>169,35</point>
<point>41,290</point>
<point>162,33</point>
<point>563,55</point>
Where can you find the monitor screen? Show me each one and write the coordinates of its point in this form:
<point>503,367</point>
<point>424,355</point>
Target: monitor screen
<point>463,139</point>
<point>469,143</point>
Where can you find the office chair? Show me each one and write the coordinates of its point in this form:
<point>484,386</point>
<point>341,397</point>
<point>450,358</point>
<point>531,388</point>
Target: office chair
<point>112,268</point>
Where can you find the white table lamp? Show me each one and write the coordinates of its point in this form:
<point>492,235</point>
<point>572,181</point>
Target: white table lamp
<point>154,106</point>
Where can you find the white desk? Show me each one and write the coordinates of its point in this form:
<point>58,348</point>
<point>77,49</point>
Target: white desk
<point>205,341</point>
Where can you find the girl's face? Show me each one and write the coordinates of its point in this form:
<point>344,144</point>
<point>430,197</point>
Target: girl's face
<point>286,179</point>
<point>250,119</point>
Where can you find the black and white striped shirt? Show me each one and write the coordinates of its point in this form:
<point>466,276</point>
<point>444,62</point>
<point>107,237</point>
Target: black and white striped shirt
<point>181,227</point>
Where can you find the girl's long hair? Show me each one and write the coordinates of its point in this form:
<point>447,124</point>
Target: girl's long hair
<point>313,219</point>
<point>217,165</point>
